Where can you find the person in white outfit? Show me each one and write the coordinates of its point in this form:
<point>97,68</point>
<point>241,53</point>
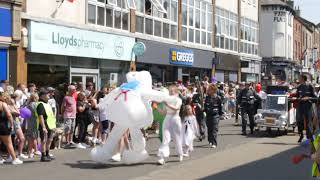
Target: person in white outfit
<point>171,127</point>
<point>189,130</point>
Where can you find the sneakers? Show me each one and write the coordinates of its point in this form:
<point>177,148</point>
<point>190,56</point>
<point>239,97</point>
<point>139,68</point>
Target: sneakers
<point>2,161</point>
<point>31,156</point>
<point>38,153</point>
<point>180,158</point>
<point>80,146</point>
<point>22,156</point>
<point>214,146</point>
<point>9,159</point>
<point>45,159</point>
<point>51,157</point>
<point>17,161</point>
<point>161,161</point>
<point>85,145</point>
<point>116,157</point>
<point>186,154</point>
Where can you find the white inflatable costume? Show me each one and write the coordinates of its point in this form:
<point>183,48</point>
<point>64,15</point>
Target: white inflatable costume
<point>129,107</point>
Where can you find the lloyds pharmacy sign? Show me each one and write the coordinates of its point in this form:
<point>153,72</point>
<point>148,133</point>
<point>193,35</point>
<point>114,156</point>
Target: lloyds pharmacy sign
<point>60,40</point>
<point>181,57</point>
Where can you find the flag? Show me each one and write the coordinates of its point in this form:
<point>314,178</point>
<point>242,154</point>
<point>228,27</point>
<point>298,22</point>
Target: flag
<point>303,55</point>
<point>71,1</point>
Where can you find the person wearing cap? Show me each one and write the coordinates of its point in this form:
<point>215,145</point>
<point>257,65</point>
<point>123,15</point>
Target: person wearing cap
<point>247,99</point>
<point>46,121</point>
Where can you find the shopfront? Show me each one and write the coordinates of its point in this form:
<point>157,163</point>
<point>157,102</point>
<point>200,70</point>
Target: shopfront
<point>57,55</point>
<point>168,63</point>
<point>250,70</point>
<point>5,40</point>
<point>277,71</point>
<point>227,68</point>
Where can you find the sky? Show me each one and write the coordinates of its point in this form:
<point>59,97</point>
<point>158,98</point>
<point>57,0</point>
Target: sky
<point>310,9</point>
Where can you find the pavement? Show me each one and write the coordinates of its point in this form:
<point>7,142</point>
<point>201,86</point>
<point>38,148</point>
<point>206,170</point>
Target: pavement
<point>237,157</point>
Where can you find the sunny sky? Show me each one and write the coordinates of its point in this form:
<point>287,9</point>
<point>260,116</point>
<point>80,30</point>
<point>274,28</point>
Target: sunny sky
<point>310,9</point>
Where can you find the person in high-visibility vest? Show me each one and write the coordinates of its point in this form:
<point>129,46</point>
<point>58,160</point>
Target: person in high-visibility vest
<point>315,156</point>
<point>46,122</point>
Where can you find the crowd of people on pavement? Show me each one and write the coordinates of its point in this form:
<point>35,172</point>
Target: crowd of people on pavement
<point>74,112</point>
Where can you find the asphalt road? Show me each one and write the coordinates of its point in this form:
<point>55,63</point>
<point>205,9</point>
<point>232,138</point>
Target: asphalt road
<point>75,163</point>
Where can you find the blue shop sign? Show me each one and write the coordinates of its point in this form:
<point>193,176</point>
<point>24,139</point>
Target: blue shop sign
<point>181,57</point>
<point>5,22</point>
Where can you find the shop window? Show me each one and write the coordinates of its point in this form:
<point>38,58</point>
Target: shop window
<point>110,13</point>
<point>191,16</point>
<point>174,32</point>
<point>117,19</point>
<point>109,17</point>
<point>227,43</point>
<point>100,16</point>
<point>197,40</point>
<point>217,40</point>
<point>184,34</point>
<point>209,39</point>
<point>203,19</point>
<point>203,37</point>
<point>197,20</point>
<point>166,30</point>
<point>160,17</point>
<point>226,24</point>
<point>91,14</point>
<point>222,42</point>
<point>125,20</point>
<point>191,35</point>
<point>197,16</point>
<point>184,15</point>
<point>157,28</point>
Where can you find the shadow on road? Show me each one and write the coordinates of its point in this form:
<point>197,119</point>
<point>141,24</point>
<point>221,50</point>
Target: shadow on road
<point>276,167</point>
<point>87,164</point>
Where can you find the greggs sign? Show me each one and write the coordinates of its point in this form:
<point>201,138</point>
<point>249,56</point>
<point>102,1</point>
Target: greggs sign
<point>181,57</point>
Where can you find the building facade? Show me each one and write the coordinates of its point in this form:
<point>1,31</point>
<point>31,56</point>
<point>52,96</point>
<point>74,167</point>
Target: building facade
<point>276,40</point>
<point>9,34</point>
<point>249,41</point>
<point>297,46</point>
<point>92,41</point>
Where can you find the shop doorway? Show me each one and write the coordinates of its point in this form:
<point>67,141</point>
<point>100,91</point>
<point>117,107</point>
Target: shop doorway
<point>84,76</point>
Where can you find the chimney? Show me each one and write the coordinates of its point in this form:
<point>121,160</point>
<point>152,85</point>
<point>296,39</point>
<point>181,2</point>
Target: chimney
<point>298,11</point>
<point>290,3</point>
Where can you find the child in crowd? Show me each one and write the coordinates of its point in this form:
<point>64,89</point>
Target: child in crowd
<point>189,130</point>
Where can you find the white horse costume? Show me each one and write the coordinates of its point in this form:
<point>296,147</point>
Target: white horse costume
<point>129,107</point>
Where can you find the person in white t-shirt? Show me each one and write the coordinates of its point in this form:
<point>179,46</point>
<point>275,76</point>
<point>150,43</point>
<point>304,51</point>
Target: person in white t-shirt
<point>22,91</point>
<point>172,127</point>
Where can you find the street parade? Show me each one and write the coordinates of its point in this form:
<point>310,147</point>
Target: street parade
<point>160,89</point>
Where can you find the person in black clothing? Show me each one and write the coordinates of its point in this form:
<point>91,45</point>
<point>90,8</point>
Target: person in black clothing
<point>247,99</point>
<point>304,94</point>
<point>213,109</point>
<point>197,101</point>
<point>83,119</point>
<point>44,130</point>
